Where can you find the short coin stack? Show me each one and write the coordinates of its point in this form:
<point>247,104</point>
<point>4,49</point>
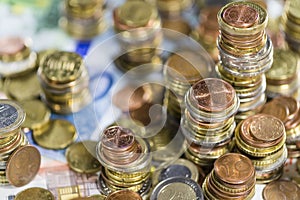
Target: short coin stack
<point>233,177</point>
<point>262,138</point>
<point>291,24</point>
<point>208,121</point>
<point>282,77</point>
<point>126,162</point>
<point>64,80</point>
<point>83,19</point>
<point>246,52</point>
<point>140,35</point>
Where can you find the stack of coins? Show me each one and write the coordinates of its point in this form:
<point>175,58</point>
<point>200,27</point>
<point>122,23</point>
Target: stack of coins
<point>124,194</point>
<point>64,80</point>
<point>140,35</point>
<point>14,147</point>
<point>208,121</point>
<point>290,24</point>
<point>126,162</point>
<point>83,19</point>
<point>233,177</point>
<point>16,57</point>
<point>181,71</point>
<point>282,77</point>
<point>246,52</point>
<point>262,138</point>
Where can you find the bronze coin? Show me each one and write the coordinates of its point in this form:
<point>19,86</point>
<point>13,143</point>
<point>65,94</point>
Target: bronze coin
<point>23,165</point>
<point>11,45</point>
<point>276,109</point>
<point>282,189</point>
<point>234,168</point>
<point>213,95</point>
<point>291,103</point>
<point>266,127</point>
<point>124,194</point>
<point>117,138</point>
<point>240,16</point>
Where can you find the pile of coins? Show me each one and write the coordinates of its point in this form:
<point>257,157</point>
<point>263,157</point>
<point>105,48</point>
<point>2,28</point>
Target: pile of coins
<point>290,24</point>
<point>83,20</point>
<point>14,147</point>
<point>126,162</point>
<point>246,52</point>
<point>139,28</point>
<point>262,137</point>
<point>16,57</point>
<point>64,80</point>
<point>233,177</point>
<point>282,189</point>
<point>208,121</point>
<point>282,77</point>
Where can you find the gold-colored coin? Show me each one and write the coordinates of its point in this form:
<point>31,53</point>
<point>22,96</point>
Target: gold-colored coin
<point>93,197</point>
<point>35,193</point>
<point>81,157</point>
<point>37,114</point>
<point>59,135</point>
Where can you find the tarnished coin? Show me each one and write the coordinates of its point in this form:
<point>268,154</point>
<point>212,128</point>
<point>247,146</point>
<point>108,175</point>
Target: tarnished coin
<point>177,188</point>
<point>234,168</point>
<point>240,16</point>
<point>35,193</point>
<point>23,165</point>
<point>81,157</point>
<point>292,104</point>
<point>124,194</point>
<point>59,135</point>
<point>276,109</point>
<point>282,189</point>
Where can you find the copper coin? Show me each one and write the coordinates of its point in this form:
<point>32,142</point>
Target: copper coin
<point>11,45</point>
<point>282,189</point>
<point>266,127</point>
<point>234,168</point>
<point>23,165</point>
<point>213,95</point>
<point>291,103</point>
<point>240,16</point>
<point>276,109</point>
<point>117,138</point>
<point>124,194</point>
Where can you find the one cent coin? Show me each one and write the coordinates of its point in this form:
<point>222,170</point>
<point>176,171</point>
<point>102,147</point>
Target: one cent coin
<point>276,109</point>
<point>241,16</point>
<point>116,137</point>
<point>282,189</point>
<point>234,168</point>
<point>124,194</point>
<point>23,165</point>
<point>35,193</point>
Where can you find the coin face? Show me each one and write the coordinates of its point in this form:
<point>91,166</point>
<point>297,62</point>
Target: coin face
<point>23,165</point>
<point>282,189</point>
<point>11,45</point>
<point>234,168</point>
<point>276,109</point>
<point>124,194</point>
<point>35,193</point>
<point>117,137</point>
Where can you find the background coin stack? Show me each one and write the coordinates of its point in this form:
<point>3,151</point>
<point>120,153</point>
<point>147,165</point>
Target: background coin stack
<point>126,162</point>
<point>208,121</point>
<point>290,24</point>
<point>140,35</point>
<point>64,80</point>
<point>282,77</point>
<point>246,52</point>
<point>262,137</point>
<point>233,177</point>
<point>83,19</point>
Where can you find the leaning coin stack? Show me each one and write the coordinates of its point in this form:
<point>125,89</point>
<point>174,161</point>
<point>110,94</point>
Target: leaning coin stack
<point>16,57</point>
<point>290,24</point>
<point>233,177</point>
<point>139,28</point>
<point>126,162</point>
<point>282,77</point>
<point>64,80</point>
<point>262,137</point>
<point>208,121</point>
<point>83,19</point>
<point>245,53</point>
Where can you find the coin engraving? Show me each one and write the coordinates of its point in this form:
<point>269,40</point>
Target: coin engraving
<point>8,115</point>
<point>177,191</point>
<point>35,194</point>
<point>282,189</point>
<point>118,137</point>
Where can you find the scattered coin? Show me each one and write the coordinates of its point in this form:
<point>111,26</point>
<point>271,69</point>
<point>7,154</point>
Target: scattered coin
<point>35,193</point>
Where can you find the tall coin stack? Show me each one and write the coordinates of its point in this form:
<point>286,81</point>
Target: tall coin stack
<point>208,121</point>
<point>290,24</point>
<point>140,35</point>
<point>126,162</point>
<point>233,177</point>
<point>246,52</point>
<point>83,20</point>
<point>262,137</point>
<point>64,80</point>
